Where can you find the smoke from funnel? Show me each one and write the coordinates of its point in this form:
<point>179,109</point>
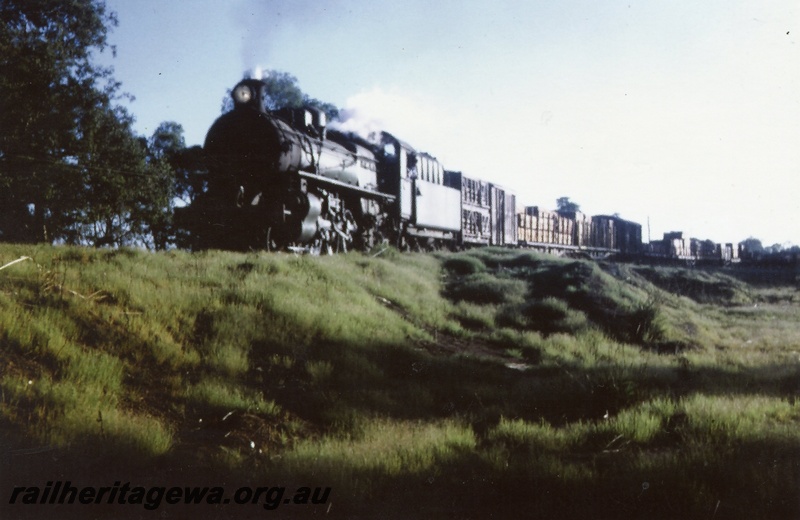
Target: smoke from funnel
<point>262,24</point>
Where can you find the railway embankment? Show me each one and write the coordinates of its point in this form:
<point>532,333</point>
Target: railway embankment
<point>488,382</point>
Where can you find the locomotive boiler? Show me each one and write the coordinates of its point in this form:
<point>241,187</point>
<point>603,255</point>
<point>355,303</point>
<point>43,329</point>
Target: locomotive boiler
<point>277,180</point>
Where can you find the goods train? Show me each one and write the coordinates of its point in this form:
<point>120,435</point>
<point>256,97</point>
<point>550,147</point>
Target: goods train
<point>283,179</point>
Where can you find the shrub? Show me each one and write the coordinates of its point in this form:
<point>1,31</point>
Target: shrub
<point>464,265</point>
<point>487,289</point>
<point>646,324</point>
<point>547,310</point>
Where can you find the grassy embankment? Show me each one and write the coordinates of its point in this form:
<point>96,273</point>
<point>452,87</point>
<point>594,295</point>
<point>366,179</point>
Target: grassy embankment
<point>438,385</point>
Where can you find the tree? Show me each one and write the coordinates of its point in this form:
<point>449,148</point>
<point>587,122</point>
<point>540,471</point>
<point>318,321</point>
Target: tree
<point>47,83</point>
<point>167,140</point>
<point>187,164</point>
<point>71,168</point>
<point>282,90</point>
<point>752,245</point>
<point>189,178</point>
<point>191,173</point>
<point>123,194</point>
<point>564,205</point>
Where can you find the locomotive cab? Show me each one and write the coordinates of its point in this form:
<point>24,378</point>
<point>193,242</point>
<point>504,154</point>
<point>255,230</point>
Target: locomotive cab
<point>428,208</point>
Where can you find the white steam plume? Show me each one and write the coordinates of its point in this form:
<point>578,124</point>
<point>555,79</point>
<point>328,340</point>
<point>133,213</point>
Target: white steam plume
<point>409,119</point>
<point>257,72</point>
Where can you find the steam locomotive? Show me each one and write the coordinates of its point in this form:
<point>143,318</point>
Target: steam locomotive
<point>283,179</point>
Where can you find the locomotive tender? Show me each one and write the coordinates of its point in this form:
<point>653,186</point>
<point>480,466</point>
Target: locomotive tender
<point>283,179</point>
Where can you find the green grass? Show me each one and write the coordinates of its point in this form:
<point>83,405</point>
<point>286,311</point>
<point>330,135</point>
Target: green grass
<point>488,382</point>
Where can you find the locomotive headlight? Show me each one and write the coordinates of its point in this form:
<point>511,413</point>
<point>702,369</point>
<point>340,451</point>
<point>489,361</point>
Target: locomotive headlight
<point>242,94</point>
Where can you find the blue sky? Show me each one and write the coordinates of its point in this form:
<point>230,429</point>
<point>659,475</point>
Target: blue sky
<point>683,113</point>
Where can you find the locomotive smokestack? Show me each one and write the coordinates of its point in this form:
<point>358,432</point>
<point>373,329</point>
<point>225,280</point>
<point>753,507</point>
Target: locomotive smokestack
<point>249,93</point>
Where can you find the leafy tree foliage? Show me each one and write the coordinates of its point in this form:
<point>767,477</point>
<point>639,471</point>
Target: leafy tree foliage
<point>167,140</point>
<point>123,193</point>
<point>187,164</point>
<point>189,178</point>
<point>282,90</point>
<point>564,205</point>
<point>45,77</point>
<point>189,168</point>
<point>71,168</point>
<point>752,245</point>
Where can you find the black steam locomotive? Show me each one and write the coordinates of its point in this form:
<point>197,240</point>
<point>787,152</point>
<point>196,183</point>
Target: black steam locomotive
<point>283,179</point>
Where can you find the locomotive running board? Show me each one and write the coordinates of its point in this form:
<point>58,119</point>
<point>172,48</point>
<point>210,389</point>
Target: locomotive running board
<point>365,193</point>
